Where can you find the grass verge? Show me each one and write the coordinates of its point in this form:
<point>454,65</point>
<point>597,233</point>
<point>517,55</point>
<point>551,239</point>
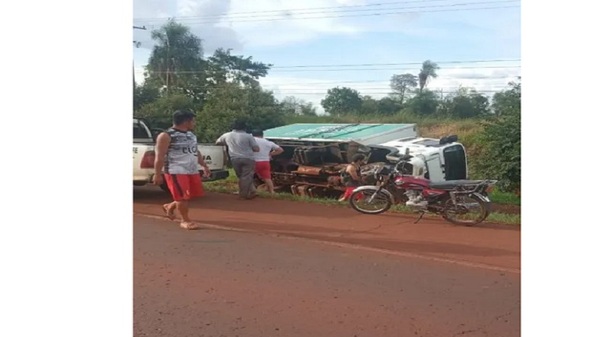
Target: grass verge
<point>229,185</point>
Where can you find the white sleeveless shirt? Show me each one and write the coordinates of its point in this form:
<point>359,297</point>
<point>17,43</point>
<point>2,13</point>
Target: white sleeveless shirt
<point>182,154</point>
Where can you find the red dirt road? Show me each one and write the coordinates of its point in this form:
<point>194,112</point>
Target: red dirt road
<point>488,246</point>
<point>275,268</point>
<point>226,283</point>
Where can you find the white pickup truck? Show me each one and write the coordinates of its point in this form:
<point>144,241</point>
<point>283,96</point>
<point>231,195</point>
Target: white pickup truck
<point>143,157</point>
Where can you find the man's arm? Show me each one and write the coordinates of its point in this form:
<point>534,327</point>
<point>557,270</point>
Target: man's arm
<point>162,144</point>
<point>221,140</point>
<point>276,149</point>
<point>203,164</point>
<point>352,171</point>
<point>253,143</point>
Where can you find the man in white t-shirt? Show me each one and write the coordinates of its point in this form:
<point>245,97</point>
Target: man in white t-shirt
<point>267,149</point>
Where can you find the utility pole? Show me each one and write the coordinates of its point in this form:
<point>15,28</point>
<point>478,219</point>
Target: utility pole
<point>137,45</point>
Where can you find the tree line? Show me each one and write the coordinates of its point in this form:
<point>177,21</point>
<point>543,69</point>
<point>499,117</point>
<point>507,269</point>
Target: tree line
<point>222,87</point>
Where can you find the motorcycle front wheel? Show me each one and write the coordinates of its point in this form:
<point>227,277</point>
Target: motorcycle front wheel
<point>370,201</point>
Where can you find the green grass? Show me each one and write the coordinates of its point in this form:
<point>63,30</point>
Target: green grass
<point>229,185</point>
<point>505,198</point>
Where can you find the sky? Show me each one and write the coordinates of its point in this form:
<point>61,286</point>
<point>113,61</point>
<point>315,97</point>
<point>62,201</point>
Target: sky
<point>315,45</point>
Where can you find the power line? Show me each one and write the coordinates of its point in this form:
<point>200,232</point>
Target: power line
<point>296,10</point>
<point>386,81</point>
<point>261,14</point>
<point>446,91</point>
<point>191,72</point>
<point>391,69</point>
<point>392,64</point>
<point>288,18</point>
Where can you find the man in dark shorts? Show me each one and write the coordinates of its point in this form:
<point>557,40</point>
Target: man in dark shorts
<point>241,147</point>
<point>177,156</point>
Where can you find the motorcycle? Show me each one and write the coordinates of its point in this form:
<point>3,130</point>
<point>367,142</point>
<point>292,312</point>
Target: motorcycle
<point>398,183</point>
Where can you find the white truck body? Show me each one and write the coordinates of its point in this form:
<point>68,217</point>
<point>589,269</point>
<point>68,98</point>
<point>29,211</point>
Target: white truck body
<point>143,156</point>
<point>444,160</point>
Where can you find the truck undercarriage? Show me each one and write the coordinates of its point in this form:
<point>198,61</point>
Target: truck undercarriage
<point>313,169</point>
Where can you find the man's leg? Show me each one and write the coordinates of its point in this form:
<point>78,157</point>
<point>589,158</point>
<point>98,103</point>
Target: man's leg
<point>170,209</point>
<point>263,170</point>
<point>183,208</point>
<point>247,189</point>
<point>180,186</point>
<point>237,168</point>
<point>270,186</point>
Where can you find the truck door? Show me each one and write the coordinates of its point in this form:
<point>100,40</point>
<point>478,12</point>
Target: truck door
<point>455,162</point>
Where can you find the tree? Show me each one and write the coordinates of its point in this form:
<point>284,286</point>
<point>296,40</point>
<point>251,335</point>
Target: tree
<point>224,67</point>
<point>159,112</point>
<point>507,101</point>
<point>428,71</point>
<point>423,103</point>
<point>342,101</point>
<point>176,60</point>
<point>465,103</point>
<point>294,106</point>
<point>369,106</point>
<point>144,94</point>
<point>500,156</point>
<point>388,106</point>
<point>400,85</point>
<point>231,101</point>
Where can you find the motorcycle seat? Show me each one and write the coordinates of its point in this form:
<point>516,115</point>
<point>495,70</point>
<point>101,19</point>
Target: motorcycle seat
<point>451,184</point>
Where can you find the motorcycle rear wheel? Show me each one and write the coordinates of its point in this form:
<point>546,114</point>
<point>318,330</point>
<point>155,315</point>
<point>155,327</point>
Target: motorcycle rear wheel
<point>451,210</point>
<point>380,202</point>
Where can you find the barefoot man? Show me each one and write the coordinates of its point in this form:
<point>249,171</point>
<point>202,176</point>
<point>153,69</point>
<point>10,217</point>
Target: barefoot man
<point>177,157</point>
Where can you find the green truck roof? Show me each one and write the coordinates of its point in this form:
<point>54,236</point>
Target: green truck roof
<point>333,132</point>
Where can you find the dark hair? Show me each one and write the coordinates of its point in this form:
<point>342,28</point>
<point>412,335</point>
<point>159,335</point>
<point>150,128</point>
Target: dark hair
<point>257,133</point>
<point>239,125</point>
<point>182,116</point>
<point>357,157</point>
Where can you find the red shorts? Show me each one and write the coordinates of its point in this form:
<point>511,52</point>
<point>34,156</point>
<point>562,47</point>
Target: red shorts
<point>263,169</point>
<point>184,186</point>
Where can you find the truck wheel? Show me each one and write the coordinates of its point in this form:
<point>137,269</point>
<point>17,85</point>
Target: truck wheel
<point>164,187</point>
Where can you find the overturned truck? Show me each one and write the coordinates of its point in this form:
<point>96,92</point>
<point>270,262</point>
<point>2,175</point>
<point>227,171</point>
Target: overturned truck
<point>315,155</point>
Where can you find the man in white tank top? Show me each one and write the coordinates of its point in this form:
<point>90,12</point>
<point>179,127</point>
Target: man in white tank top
<point>177,157</point>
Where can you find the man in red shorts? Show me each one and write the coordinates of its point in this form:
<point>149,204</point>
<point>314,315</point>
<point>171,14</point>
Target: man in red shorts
<point>267,149</point>
<point>177,156</point>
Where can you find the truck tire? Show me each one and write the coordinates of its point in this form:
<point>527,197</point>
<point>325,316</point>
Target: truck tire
<point>165,188</point>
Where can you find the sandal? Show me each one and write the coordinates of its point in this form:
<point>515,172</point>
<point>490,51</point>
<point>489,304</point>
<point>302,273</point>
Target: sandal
<point>189,225</point>
<point>169,214</point>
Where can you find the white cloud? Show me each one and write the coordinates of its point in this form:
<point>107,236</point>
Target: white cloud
<point>287,23</point>
<point>233,23</point>
<point>220,23</point>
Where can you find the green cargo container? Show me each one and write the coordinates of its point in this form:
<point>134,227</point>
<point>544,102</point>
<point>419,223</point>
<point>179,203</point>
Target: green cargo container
<point>366,134</point>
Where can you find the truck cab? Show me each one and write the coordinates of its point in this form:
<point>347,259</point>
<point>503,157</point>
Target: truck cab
<point>445,159</point>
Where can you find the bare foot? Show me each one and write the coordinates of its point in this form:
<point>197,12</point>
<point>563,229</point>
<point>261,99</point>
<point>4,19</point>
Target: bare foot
<point>189,225</point>
<point>168,212</point>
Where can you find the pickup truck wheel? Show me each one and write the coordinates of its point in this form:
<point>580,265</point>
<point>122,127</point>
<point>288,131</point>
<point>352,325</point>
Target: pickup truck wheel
<point>164,187</point>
